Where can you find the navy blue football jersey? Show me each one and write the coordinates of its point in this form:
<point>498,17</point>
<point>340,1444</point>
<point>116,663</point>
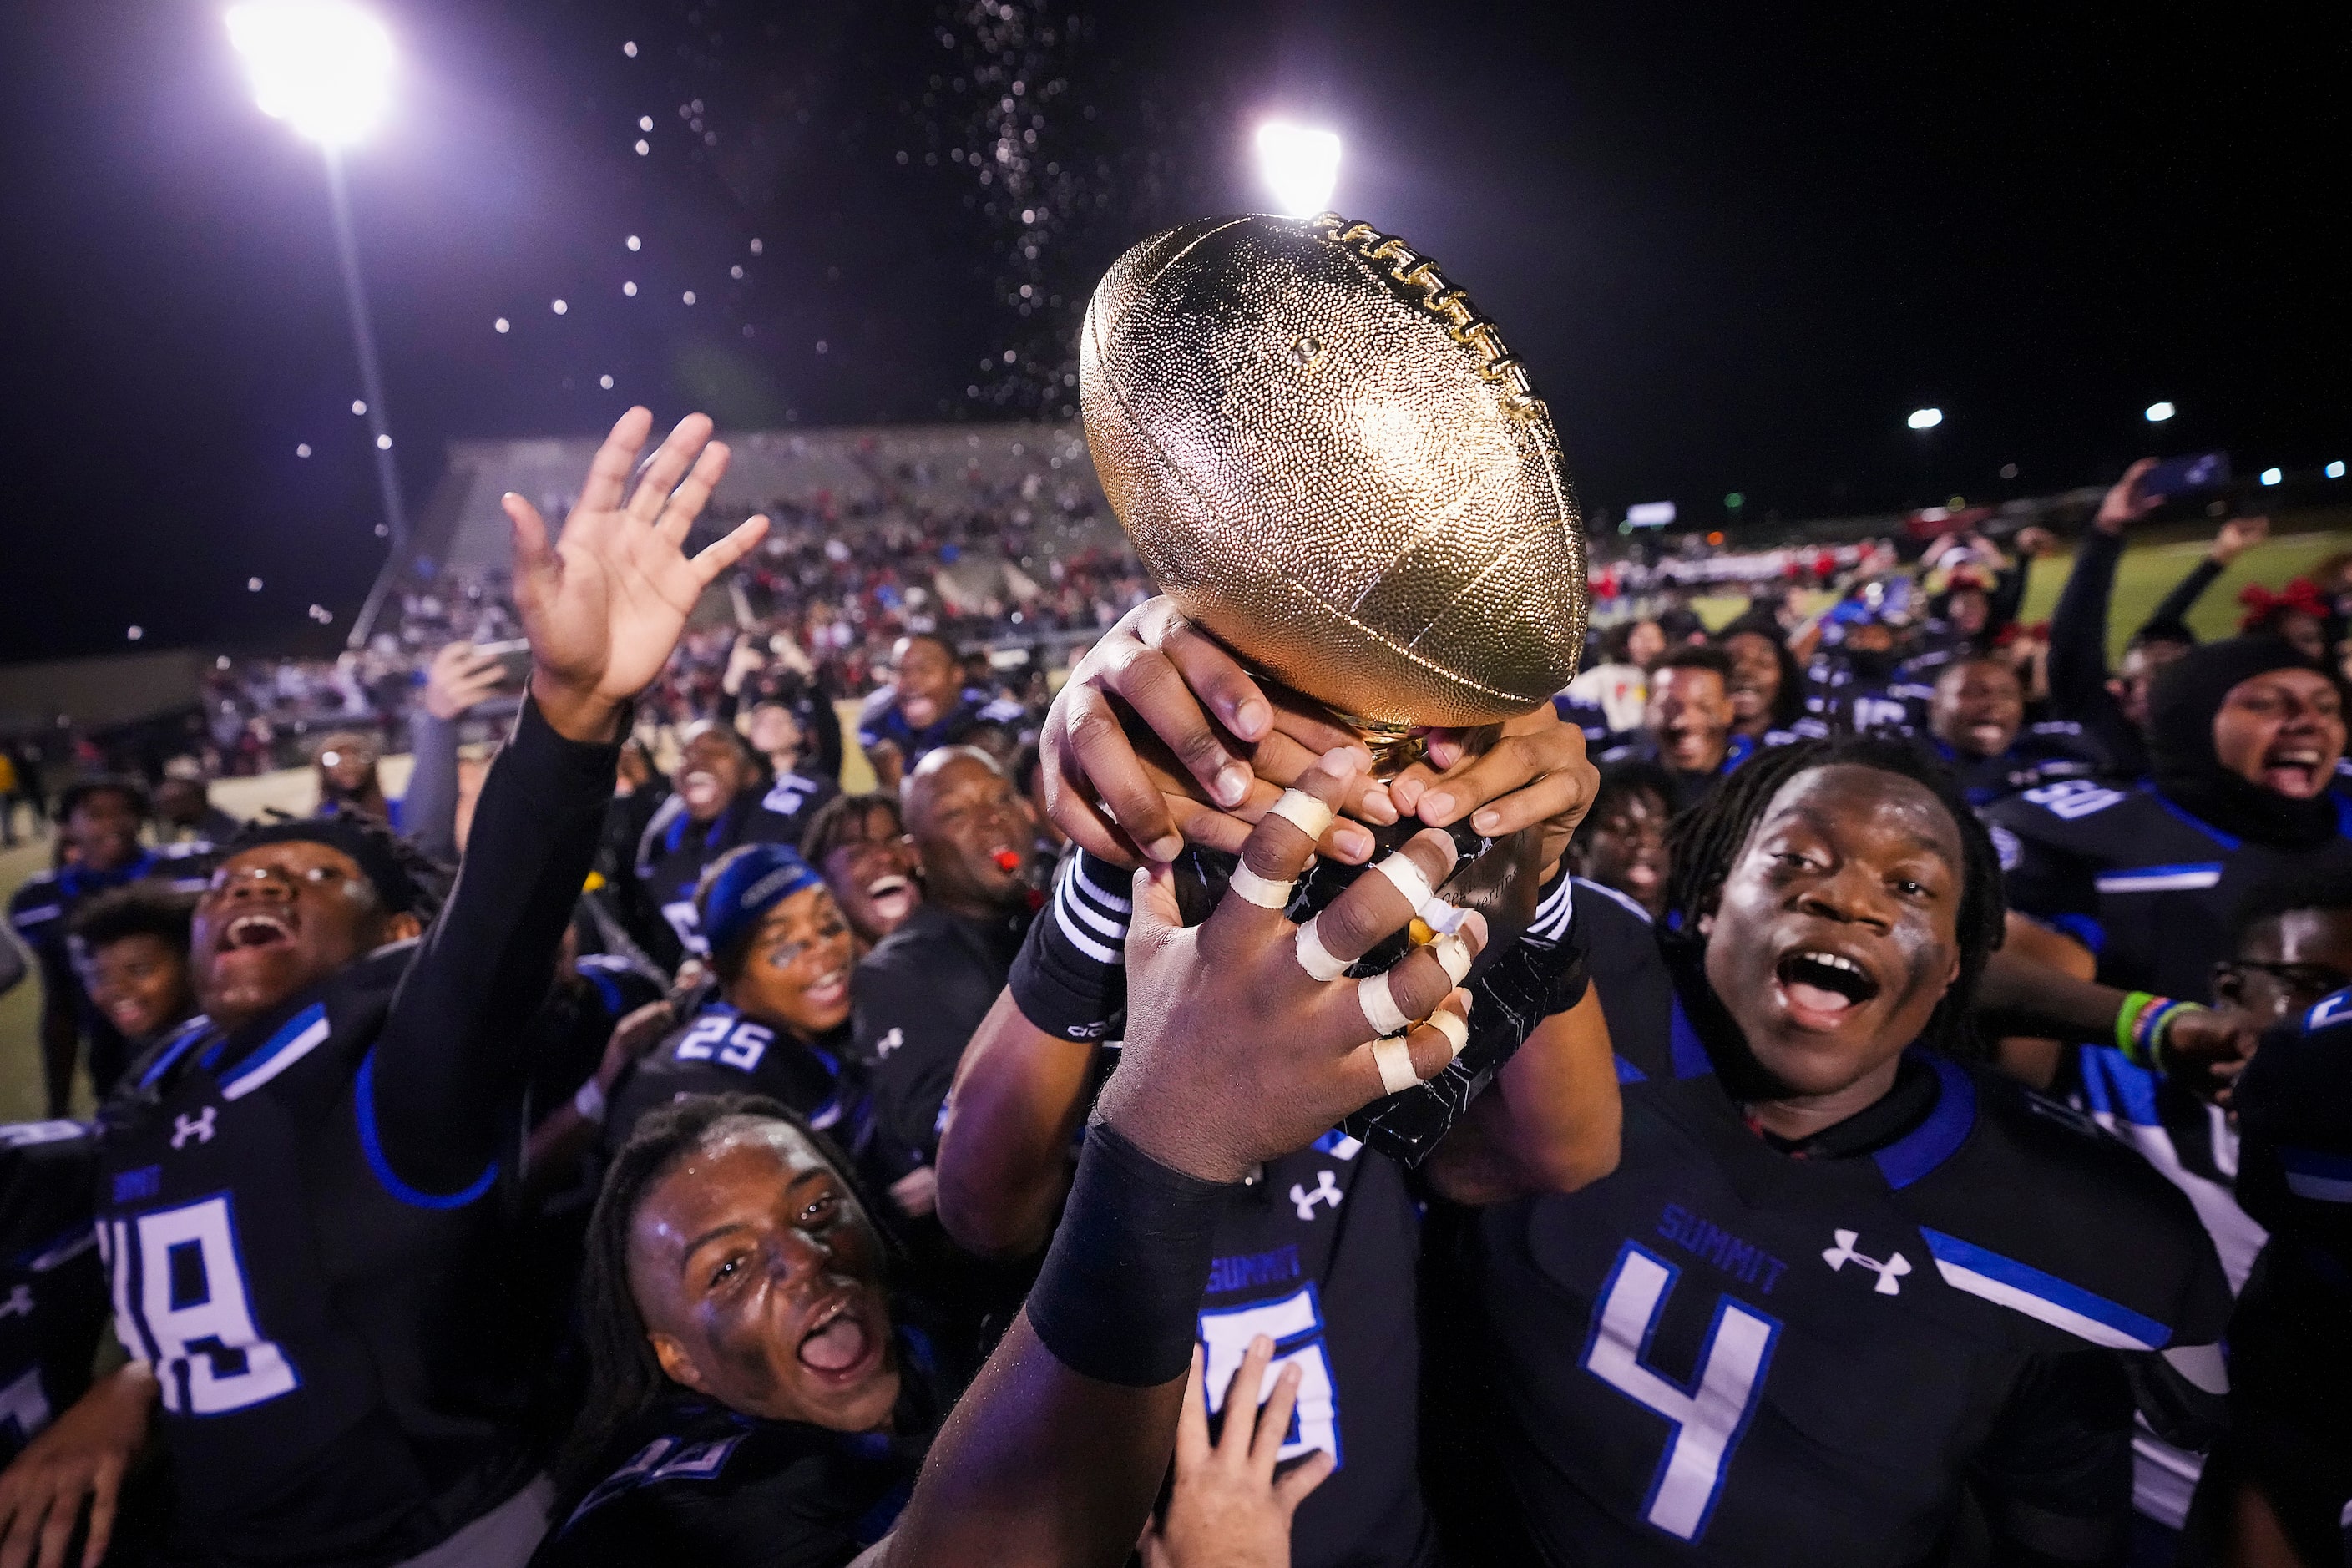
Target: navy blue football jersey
<point>1839,699</point>
<point>674,851</point>
<point>693,1481</point>
<point>52,1290</point>
<point>302,1219</point>
<point>2290,1364</point>
<point>720,1051</point>
<point>2040,754</point>
<point>1318,1251</point>
<point>1721,1353</point>
<point>2145,885</point>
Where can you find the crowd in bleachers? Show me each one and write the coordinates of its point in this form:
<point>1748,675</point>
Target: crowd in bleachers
<point>1892,1108</point>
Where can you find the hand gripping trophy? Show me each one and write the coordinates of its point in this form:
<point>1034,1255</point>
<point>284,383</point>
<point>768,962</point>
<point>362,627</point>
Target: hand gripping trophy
<point>1329,461</point>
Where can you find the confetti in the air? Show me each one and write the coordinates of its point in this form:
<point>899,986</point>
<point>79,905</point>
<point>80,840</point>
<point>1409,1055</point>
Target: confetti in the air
<point>301,449</point>
<point>253,585</point>
<point>632,242</point>
<point>559,306</point>
<point>645,123</point>
<point>358,407</point>
<point>689,295</point>
<point>383,443</point>
<point>630,289</point>
<point>630,48</point>
<point>642,148</point>
<point>501,325</point>
<point>136,633</point>
<point>605,381</point>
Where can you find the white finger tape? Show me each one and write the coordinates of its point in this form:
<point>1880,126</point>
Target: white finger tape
<point>1379,1004</point>
<point>1262,891</point>
<point>1453,1027</point>
<point>1315,958</point>
<point>1408,878</point>
<point>1304,812</point>
<point>1396,1066</point>
<point>1441,917</point>
<point>1455,955</point>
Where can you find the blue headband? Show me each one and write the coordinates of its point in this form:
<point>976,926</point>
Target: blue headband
<point>745,885</point>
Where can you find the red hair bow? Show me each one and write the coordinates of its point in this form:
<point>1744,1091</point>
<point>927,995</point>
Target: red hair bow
<point>2300,596</point>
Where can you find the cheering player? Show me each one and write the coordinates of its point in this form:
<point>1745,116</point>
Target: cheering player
<point>1842,1299</point>
<point>292,1194</point>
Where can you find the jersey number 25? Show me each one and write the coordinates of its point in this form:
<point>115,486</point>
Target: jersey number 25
<point>1704,1422</point>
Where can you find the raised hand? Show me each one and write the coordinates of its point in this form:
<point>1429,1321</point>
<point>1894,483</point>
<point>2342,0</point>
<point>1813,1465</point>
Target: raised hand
<point>2239,535</point>
<point>1536,773</point>
<point>1228,1508</point>
<point>1234,1053</point>
<point>604,603</point>
<point>459,676</point>
<point>2126,501</point>
<point>1215,755</point>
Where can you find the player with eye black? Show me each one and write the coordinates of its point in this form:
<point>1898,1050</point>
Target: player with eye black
<point>1317,1250</point>
<point>301,1201</point>
<point>1844,1298</point>
<point>779,1025</point>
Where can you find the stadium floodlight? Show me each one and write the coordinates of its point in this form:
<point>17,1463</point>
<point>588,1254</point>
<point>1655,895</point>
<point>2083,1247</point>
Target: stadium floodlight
<point>2336,471</point>
<point>2158,413</point>
<point>1650,513</point>
<point>1300,167</point>
<point>1924,418</point>
<point>2274,476</point>
<point>323,67</point>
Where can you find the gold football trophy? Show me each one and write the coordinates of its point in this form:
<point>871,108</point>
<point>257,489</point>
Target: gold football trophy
<point>1329,461</point>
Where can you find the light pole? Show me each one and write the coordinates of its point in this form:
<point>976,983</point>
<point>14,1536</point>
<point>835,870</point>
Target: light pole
<point>324,67</point>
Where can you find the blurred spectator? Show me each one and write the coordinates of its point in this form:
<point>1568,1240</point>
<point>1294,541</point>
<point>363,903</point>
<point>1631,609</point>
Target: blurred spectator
<point>1686,727</point>
<point>184,812</point>
<point>131,948</point>
<point>858,843</point>
<point>1623,844</point>
<point>347,764</point>
<point>1767,689</point>
<point>926,706</point>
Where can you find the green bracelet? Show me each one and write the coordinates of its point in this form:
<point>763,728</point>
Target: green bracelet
<point>2135,1003</point>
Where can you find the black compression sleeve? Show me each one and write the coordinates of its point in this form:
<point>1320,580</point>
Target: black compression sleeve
<point>445,1070</point>
<point>2078,630</point>
<point>1070,978</point>
<point>2185,594</point>
<point>1118,1297</point>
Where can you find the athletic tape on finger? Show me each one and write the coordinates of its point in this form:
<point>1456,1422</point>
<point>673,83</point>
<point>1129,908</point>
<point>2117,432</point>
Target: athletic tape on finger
<point>1313,957</point>
<point>1304,812</point>
<point>1396,1066</point>
<point>1453,952</point>
<point>1407,878</point>
<point>1379,1003</point>
<point>1262,891</point>
<point>1453,1027</point>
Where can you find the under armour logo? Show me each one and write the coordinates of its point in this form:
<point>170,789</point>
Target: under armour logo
<point>199,1127</point>
<point>889,1042</point>
<point>19,1303</point>
<point>1890,1273</point>
<point>1325,1191</point>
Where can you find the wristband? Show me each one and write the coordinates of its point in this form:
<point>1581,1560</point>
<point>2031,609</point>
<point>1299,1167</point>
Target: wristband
<point>2155,1028</point>
<point>2127,1016</point>
<point>1118,1298</point>
<point>590,1102</point>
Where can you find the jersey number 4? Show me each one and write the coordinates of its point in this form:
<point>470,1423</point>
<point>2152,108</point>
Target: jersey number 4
<point>1295,1324</point>
<point>733,1042</point>
<point>181,1304</point>
<point>1704,1422</point>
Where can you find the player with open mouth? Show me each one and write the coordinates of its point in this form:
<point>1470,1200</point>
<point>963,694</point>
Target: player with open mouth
<point>1844,1298</point>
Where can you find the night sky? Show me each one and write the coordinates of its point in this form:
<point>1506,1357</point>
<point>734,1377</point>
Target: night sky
<point>1735,245</point>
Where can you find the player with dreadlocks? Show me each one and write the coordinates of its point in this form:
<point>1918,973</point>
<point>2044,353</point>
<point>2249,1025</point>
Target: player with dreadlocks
<point>1846,1298</point>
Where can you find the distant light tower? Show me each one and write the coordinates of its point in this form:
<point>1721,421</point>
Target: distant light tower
<point>2158,413</point>
<point>1301,166</point>
<point>1924,418</point>
<point>325,67</point>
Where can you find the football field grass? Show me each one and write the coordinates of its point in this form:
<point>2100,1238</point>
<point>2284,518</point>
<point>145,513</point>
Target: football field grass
<point>2146,572</point>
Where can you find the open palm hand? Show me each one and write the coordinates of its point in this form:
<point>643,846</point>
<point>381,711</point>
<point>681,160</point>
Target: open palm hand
<point>603,604</point>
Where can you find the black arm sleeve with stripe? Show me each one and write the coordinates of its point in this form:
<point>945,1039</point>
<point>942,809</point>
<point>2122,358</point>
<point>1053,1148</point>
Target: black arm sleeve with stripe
<point>1070,977</point>
<point>448,1067</point>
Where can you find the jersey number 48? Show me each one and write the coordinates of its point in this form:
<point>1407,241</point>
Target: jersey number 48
<point>1704,1422</point>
